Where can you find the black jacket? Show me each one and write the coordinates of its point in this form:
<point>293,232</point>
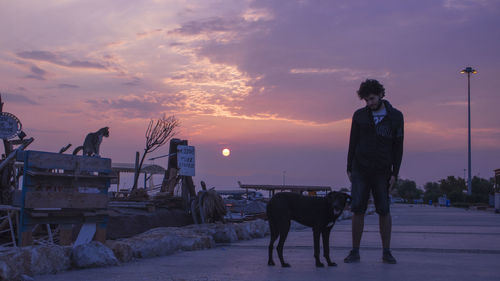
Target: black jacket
<point>376,147</point>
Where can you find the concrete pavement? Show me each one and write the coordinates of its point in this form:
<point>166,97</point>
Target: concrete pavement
<point>430,243</point>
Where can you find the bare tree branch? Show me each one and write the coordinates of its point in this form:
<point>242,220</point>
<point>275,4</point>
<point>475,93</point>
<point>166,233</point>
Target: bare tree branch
<point>157,134</point>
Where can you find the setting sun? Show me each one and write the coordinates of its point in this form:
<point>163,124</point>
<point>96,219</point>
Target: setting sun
<point>226,152</point>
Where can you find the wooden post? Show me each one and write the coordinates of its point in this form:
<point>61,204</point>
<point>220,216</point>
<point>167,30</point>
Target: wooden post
<point>136,174</point>
<point>118,183</point>
<point>100,233</point>
<point>172,180</point>
<point>164,182</point>
<point>26,238</point>
<point>65,234</point>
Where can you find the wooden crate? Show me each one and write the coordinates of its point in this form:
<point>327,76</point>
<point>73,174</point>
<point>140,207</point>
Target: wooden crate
<point>65,190</point>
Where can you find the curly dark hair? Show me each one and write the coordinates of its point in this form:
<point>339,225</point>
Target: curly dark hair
<point>370,86</point>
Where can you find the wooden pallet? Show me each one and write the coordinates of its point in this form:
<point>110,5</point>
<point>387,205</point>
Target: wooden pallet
<point>65,190</point>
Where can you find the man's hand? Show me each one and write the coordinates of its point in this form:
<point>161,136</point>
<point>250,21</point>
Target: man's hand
<point>392,181</point>
<point>349,175</point>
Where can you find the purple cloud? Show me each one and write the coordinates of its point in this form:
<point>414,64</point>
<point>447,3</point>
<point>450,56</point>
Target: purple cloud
<point>38,71</point>
<point>67,86</point>
<point>39,55</point>
<point>59,60</point>
<point>209,25</point>
<point>36,77</point>
<point>85,64</point>
<point>34,130</point>
<point>134,82</point>
<point>139,106</point>
<point>16,98</point>
<point>340,45</point>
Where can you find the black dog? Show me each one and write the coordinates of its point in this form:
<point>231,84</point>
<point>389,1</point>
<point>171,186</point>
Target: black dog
<point>320,213</point>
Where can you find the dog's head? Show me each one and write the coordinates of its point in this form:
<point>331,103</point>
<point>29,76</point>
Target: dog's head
<point>338,201</point>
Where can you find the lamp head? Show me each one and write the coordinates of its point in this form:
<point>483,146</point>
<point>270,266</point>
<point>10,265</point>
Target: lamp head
<point>468,69</point>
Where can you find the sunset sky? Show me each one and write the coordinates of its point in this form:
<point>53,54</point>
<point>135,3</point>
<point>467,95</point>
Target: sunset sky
<point>274,81</point>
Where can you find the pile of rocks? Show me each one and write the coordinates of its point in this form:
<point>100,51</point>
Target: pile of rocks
<point>20,263</point>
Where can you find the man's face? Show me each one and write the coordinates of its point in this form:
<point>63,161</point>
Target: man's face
<point>372,101</point>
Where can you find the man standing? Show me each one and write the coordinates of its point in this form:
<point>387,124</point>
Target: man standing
<point>373,161</point>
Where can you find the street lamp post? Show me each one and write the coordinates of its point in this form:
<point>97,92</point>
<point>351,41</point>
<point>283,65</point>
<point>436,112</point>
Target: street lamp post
<point>469,70</point>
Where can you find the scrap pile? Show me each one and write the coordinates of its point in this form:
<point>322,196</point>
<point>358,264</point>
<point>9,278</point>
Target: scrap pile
<point>208,206</point>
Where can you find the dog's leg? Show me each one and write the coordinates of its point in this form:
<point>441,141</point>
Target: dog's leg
<point>283,227</point>
<point>326,246</point>
<point>274,236</point>
<point>316,233</point>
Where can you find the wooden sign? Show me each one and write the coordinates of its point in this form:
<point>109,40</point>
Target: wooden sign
<point>185,160</point>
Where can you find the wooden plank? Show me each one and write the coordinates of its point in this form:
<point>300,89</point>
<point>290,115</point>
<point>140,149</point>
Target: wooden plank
<point>96,213</point>
<point>68,175</point>
<point>95,164</point>
<point>86,234</point>
<point>92,182</point>
<point>284,187</point>
<point>74,200</point>
<point>62,183</point>
<point>46,183</point>
<point>79,219</point>
<point>26,238</point>
<point>100,234</point>
<point>49,160</point>
<point>65,234</point>
<point>9,208</point>
<point>39,215</point>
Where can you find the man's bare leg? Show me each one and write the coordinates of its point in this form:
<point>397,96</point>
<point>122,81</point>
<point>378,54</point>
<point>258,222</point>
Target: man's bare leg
<point>358,223</point>
<point>385,226</point>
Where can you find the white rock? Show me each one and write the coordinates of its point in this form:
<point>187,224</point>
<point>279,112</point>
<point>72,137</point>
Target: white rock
<point>243,231</point>
<point>15,262</point>
<point>34,260</point>
<point>122,250</point>
<point>93,254</point>
<point>259,228</point>
<point>163,241</point>
<point>221,233</point>
<point>155,242</point>
<point>50,259</point>
<point>225,233</point>
<point>191,240</point>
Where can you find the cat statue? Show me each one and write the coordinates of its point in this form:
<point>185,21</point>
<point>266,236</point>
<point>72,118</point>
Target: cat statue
<point>92,143</point>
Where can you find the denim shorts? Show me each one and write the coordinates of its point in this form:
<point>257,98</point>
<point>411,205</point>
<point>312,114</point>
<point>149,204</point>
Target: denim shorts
<point>362,184</point>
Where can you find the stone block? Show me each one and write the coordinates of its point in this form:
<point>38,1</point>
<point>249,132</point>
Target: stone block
<point>121,250</point>
<point>93,254</point>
